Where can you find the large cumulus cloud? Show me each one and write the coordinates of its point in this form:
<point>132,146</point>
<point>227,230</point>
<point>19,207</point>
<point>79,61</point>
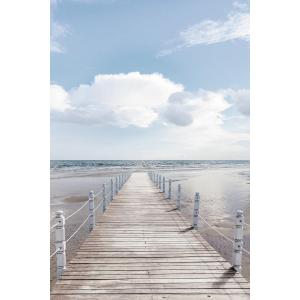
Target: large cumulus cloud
<point>116,99</point>
<point>136,99</point>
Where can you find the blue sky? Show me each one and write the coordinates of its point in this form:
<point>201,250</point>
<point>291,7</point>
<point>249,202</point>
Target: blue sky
<point>137,79</point>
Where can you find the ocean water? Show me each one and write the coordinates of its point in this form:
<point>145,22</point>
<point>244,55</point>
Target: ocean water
<point>224,185</point>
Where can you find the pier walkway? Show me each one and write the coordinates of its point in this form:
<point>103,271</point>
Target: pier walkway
<point>142,248</point>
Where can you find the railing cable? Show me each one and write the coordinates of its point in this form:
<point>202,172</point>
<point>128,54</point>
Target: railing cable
<point>222,234</point>
<point>76,211</point>
<point>98,205</point>
<point>53,226</point>
<point>216,230</point>
<point>54,252</point>
<point>77,229</point>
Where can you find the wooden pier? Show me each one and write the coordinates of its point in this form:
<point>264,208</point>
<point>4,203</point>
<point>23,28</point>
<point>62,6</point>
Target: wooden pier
<point>142,248</point>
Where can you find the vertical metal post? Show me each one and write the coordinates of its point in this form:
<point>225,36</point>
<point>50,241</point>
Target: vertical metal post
<point>116,185</point>
<point>238,241</point>
<point>164,184</point>
<point>159,182</point>
<point>104,197</point>
<point>60,243</point>
<point>196,210</point>
<point>91,211</point>
<point>170,189</point>
<point>111,189</point>
<point>178,197</point>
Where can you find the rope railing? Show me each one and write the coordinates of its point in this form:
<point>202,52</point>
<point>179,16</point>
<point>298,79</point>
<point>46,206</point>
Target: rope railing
<point>51,255</point>
<point>80,226</point>
<point>161,182</point>
<point>76,211</point>
<point>101,202</point>
<point>107,196</point>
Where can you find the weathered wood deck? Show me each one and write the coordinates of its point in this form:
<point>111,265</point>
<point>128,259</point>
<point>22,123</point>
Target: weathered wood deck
<point>142,248</point>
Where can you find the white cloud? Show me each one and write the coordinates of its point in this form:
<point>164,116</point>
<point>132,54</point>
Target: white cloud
<point>57,31</point>
<point>207,32</point>
<point>202,109</point>
<point>241,98</point>
<point>139,100</point>
<point>187,125</point>
<point>59,98</point>
<point>119,99</point>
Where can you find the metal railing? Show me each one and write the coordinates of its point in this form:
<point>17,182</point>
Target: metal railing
<point>161,182</point>
<point>60,237</point>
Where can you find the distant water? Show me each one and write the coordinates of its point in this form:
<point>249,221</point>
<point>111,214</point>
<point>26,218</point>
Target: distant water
<point>141,164</point>
<point>223,184</point>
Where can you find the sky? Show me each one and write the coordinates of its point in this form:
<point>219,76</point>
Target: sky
<point>140,79</point>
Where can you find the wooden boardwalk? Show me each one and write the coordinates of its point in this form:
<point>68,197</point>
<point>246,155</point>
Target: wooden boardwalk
<point>142,248</point>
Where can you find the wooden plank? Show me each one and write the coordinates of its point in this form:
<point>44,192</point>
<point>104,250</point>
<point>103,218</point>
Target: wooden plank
<point>150,297</point>
<point>199,291</point>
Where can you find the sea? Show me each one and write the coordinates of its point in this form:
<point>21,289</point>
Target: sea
<point>224,185</point>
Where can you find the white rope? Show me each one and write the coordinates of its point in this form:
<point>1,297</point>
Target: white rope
<point>216,230</point>
<point>53,226</point>
<point>78,229</point>
<point>54,252</point>
<point>98,205</point>
<point>71,215</point>
<point>76,211</point>
<point>100,192</point>
<point>246,251</point>
<point>223,235</point>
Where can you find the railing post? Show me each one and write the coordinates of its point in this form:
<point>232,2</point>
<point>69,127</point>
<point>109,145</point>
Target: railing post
<point>238,241</point>
<point>159,182</point>
<point>116,185</point>
<point>170,189</point>
<point>91,211</point>
<point>60,243</point>
<point>111,189</point>
<point>179,196</point>
<point>104,197</point>
<point>164,184</point>
<point>196,211</point>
